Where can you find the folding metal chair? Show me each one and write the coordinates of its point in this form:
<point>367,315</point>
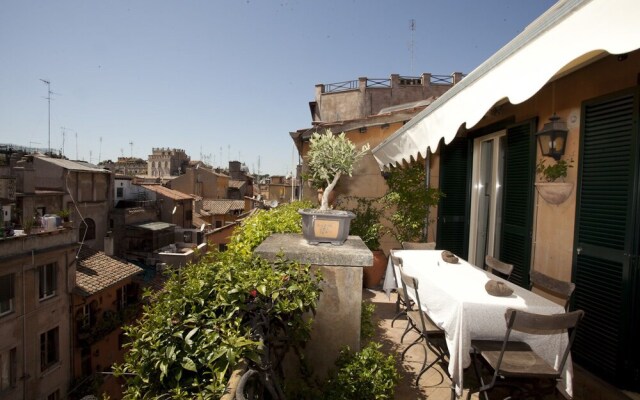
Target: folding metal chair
<point>556,287</point>
<point>418,246</point>
<point>515,363</point>
<point>494,265</point>
<point>429,334</point>
<point>402,302</point>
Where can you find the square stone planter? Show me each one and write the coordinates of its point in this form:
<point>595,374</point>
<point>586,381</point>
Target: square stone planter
<point>330,226</point>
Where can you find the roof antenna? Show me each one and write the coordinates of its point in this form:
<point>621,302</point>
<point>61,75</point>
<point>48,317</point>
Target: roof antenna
<point>412,26</point>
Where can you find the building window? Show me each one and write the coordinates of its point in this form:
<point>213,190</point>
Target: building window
<point>6,294</point>
<point>127,295</point>
<point>87,230</point>
<point>119,192</point>
<point>47,281</point>
<point>85,319</point>
<point>7,369</point>
<point>49,354</point>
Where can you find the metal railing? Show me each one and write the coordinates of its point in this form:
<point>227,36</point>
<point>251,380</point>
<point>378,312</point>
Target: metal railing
<point>340,86</point>
<point>386,83</point>
<point>441,80</point>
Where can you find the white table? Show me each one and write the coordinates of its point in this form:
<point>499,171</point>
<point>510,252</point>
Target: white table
<point>453,295</point>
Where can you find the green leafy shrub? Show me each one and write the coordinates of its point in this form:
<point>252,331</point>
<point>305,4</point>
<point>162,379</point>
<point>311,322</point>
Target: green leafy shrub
<point>366,375</point>
<point>254,230</point>
<point>193,333</point>
<point>410,201</point>
<point>367,327</point>
<point>367,222</point>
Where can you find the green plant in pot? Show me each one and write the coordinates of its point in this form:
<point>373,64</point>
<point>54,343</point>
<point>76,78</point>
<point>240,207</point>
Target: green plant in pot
<point>64,214</point>
<point>409,201</point>
<point>329,158</point>
<point>367,225</point>
<point>552,187</point>
<point>553,172</point>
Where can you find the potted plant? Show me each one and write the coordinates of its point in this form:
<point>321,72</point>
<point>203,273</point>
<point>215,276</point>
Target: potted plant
<point>550,189</point>
<point>409,200</point>
<point>64,214</point>
<point>367,225</point>
<point>330,156</point>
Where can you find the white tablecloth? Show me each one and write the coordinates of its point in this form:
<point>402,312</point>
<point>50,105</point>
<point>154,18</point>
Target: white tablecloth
<point>453,295</point>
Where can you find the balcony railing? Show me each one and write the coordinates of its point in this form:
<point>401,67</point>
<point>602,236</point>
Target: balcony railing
<point>340,86</point>
<point>387,83</point>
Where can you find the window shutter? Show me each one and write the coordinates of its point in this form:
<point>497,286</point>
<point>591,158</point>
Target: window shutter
<point>518,205</point>
<point>453,208</point>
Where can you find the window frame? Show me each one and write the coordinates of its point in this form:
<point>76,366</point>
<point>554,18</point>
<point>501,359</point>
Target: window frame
<point>8,358</point>
<point>47,281</point>
<point>49,352</point>
<point>12,294</point>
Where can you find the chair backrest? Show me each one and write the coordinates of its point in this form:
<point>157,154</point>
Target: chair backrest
<point>540,324</point>
<point>409,281</point>
<point>397,262</point>
<point>419,246</point>
<point>493,265</point>
<point>556,287</point>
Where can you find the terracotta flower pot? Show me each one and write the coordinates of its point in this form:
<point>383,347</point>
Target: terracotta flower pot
<point>373,275</point>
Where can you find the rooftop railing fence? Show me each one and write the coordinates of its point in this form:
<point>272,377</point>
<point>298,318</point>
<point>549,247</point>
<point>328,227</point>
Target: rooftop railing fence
<point>386,83</point>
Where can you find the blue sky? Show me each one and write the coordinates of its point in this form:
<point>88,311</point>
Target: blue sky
<point>225,79</point>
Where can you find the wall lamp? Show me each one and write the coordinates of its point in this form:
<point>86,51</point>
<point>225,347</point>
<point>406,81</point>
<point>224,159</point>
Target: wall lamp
<point>553,138</point>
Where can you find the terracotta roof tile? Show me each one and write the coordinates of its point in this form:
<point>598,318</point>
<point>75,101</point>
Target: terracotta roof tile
<point>172,194</point>
<point>96,271</point>
<point>218,207</point>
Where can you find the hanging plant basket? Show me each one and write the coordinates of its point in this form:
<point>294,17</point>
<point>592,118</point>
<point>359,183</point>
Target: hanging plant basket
<point>554,192</point>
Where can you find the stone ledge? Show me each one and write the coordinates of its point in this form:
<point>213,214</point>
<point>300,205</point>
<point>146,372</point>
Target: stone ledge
<point>353,253</point>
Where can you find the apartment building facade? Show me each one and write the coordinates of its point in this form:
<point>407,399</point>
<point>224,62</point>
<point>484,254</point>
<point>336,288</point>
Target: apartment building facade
<point>37,277</point>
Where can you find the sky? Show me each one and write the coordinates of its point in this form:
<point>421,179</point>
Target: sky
<point>222,79</point>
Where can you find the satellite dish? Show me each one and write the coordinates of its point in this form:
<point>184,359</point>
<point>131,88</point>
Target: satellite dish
<point>202,228</point>
<point>273,203</point>
<point>174,209</point>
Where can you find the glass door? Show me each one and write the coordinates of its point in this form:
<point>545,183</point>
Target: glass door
<point>486,197</point>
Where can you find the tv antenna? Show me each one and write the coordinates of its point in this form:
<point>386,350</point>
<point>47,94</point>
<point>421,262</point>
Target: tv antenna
<point>412,26</point>
<point>48,98</point>
<point>131,145</point>
<point>100,150</point>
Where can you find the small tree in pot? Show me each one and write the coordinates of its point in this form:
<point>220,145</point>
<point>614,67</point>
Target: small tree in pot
<point>329,158</point>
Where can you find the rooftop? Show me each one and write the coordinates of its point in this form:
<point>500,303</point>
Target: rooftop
<point>222,206</point>
<point>170,193</point>
<point>97,271</point>
<point>81,166</point>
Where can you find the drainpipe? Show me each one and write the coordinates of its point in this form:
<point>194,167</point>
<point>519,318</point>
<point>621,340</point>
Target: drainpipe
<point>427,182</point>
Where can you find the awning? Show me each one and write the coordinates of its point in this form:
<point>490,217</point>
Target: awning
<point>567,36</point>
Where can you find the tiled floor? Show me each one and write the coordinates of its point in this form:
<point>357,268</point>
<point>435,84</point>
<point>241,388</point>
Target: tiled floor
<point>434,384</point>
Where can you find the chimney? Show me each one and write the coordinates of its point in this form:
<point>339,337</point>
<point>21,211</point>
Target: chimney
<point>108,244</point>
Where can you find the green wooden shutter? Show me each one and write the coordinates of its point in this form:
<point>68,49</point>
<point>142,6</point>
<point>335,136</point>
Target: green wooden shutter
<point>517,215</point>
<point>453,208</point>
<point>604,230</point>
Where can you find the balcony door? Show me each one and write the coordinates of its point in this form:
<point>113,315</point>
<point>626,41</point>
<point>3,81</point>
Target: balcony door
<point>487,196</point>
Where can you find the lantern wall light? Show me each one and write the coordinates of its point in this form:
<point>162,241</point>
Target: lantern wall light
<point>553,138</point>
